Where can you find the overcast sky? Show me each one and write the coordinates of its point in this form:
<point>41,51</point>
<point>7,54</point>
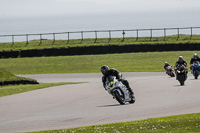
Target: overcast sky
<point>32,8</point>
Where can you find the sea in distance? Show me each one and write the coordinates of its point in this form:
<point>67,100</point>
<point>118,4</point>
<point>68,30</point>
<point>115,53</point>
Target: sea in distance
<point>119,21</point>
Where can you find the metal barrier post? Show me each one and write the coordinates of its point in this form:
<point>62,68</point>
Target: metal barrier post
<point>178,34</point>
<point>81,36</point>
<point>164,34</point>
<point>68,38</point>
<point>13,40</point>
<point>109,37</point>
<point>150,34</point>
<point>40,39</point>
<point>137,35</point>
<point>54,38</point>
<point>95,37</point>
<point>123,33</point>
<point>26,39</point>
<point>191,33</point>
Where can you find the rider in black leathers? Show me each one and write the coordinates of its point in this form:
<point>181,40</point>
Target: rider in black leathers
<point>181,61</point>
<point>193,59</point>
<point>113,72</point>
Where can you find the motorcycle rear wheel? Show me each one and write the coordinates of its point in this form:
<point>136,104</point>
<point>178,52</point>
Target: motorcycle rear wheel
<point>196,75</point>
<point>132,100</point>
<point>172,74</point>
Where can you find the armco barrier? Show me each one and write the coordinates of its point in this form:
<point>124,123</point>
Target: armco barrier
<point>106,49</point>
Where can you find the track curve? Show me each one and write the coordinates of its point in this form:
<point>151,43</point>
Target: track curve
<point>88,103</point>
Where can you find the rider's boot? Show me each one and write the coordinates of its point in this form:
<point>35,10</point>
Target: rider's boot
<point>131,92</point>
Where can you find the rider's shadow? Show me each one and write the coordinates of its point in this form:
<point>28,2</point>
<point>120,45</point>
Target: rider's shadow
<point>193,79</point>
<point>113,105</point>
<point>109,105</point>
<point>178,85</point>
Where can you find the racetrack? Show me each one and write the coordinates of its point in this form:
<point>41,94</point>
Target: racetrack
<point>88,103</point>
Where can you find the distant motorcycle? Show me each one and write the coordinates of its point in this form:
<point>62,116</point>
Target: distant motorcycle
<point>181,74</point>
<point>118,90</point>
<point>195,69</point>
<point>170,71</point>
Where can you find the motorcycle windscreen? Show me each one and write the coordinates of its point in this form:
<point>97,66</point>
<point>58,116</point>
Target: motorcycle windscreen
<point>110,81</point>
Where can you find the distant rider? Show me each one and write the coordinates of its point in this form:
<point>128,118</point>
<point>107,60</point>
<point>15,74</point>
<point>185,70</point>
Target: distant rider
<point>193,59</point>
<point>166,65</point>
<point>180,61</point>
<point>113,72</point>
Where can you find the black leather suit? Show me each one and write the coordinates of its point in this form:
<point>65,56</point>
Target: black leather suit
<point>114,72</point>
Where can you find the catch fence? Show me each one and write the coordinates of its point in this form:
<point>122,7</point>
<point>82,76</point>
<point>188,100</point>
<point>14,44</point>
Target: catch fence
<point>97,34</point>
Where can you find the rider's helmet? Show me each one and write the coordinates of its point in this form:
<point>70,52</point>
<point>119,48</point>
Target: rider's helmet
<point>104,69</point>
<point>180,58</point>
<point>166,63</point>
<point>195,55</point>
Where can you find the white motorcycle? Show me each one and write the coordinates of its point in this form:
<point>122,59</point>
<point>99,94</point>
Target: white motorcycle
<point>118,90</point>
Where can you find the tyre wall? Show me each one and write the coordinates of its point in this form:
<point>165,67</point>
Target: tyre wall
<point>2,83</point>
<point>106,49</point>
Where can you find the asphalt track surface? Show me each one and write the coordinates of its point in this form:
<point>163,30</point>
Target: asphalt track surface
<point>85,104</point>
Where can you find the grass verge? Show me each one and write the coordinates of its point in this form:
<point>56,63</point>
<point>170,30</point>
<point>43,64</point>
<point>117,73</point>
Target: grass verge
<point>7,76</point>
<point>35,44</point>
<point>172,124</point>
<point>126,62</point>
<point>14,89</point>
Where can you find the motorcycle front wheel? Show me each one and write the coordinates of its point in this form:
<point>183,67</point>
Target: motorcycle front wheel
<point>181,79</point>
<point>119,98</point>
<point>196,74</point>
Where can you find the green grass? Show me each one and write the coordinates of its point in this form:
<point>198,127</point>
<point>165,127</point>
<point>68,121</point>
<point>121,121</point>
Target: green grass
<point>7,76</point>
<point>188,123</point>
<point>14,89</point>
<point>35,44</point>
<point>128,62</point>
<point>131,62</point>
